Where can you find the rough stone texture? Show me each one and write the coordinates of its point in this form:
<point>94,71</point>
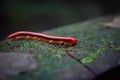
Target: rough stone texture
<point>78,72</point>
<point>104,64</point>
<point>71,70</point>
<point>12,64</point>
<point>95,43</point>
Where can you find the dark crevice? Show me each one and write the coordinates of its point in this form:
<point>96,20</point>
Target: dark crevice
<point>89,69</point>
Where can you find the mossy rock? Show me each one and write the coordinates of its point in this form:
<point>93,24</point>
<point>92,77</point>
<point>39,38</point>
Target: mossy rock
<point>96,43</point>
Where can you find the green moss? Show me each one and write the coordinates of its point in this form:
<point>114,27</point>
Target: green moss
<point>106,42</point>
<point>94,41</point>
<point>92,57</point>
<point>117,48</point>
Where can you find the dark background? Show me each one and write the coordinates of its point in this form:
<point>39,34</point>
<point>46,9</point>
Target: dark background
<point>37,15</point>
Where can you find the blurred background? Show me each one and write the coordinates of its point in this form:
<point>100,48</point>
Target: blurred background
<point>37,15</point>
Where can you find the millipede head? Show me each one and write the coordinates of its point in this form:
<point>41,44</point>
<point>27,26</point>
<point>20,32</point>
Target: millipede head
<point>73,41</point>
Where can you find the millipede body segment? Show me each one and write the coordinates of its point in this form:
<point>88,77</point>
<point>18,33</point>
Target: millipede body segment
<point>67,41</point>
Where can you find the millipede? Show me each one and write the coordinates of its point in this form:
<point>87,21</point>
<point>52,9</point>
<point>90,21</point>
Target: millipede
<point>67,41</point>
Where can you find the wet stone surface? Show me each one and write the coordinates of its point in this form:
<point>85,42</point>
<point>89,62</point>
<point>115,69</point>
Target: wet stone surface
<point>97,51</point>
<point>75,72</point>
<point>104,64</point>
<point>14,63</point>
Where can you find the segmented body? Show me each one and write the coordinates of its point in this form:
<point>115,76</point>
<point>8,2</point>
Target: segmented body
<point>67,41</point>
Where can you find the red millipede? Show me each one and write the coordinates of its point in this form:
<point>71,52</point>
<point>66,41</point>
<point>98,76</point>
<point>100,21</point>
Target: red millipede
<point>67,41</point>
